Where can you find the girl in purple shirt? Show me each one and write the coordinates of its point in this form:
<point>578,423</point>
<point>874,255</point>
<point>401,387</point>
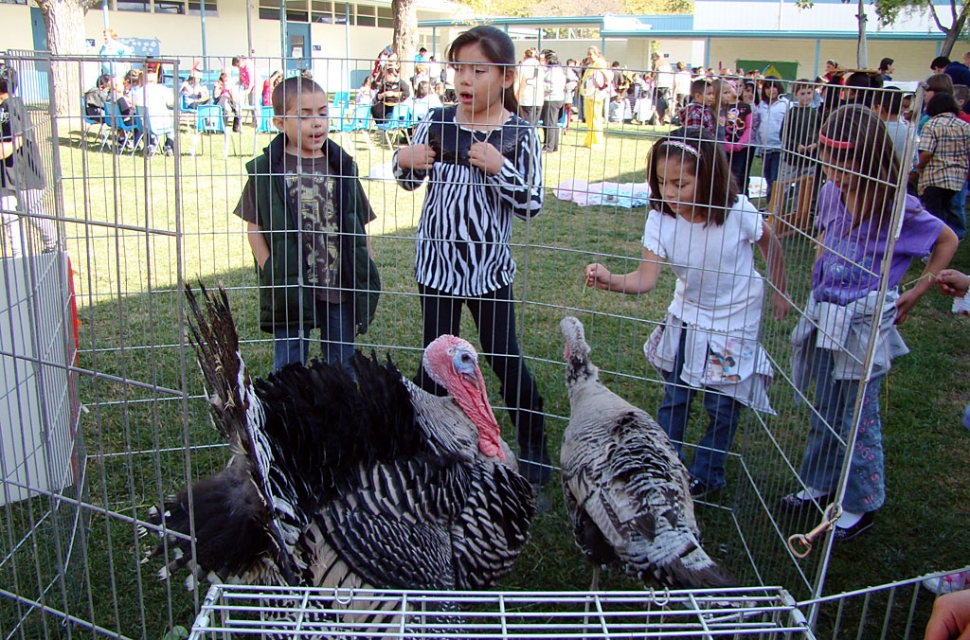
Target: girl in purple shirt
<point>845,309</point>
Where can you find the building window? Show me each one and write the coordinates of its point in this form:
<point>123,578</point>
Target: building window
<point>366,15</point>
<point>195,8</point>
<point>141,6</point>
<point>297,11</point>
<point>322,12</point>
<point>343,13</point>
<point>269,10</point>
<point>385,17</point>
<point>170,6</point>
<point>13,1</point>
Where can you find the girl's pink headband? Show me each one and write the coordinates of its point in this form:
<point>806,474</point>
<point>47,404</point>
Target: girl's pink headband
<point>841,145</point>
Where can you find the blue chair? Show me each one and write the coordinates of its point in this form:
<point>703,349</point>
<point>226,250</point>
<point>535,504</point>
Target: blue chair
<point>209,118</point>
<point>184,104</point>
<point>265,124</point>
<point>399,120</point>
<point>361,117</point>
<point>158,127</point>
<point>103,131</point>
<point>340,98</point>
<point>117,122</point>
<point>419,111</point>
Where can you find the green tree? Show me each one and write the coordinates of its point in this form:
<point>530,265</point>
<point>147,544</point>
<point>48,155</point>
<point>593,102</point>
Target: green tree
<point>64,20</point>
<point>889,10</point>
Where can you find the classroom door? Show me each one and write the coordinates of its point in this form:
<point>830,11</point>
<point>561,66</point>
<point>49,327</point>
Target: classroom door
<point>297,46</point>
<point>38,29</point>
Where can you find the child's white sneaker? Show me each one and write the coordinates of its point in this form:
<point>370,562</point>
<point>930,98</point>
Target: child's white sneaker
<point>942,585</point>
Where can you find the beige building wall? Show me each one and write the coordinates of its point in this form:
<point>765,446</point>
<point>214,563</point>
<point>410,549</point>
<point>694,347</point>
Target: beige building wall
<point>16,32</point>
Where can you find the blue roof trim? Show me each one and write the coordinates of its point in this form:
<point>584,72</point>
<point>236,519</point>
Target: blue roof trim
<point>774,35</point>
<point>683,22</point>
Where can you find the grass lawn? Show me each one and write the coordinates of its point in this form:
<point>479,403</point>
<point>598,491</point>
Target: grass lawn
<point>135,228</point>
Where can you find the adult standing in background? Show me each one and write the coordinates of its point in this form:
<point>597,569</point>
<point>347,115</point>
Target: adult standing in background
<point>665,77</point>
<point>530,91</point>
<point>682,80</point>
<point>554,99</point>
<point>111,51</point>
<point>247,80</point>
<point>22,179</point>
<point>595,87</point>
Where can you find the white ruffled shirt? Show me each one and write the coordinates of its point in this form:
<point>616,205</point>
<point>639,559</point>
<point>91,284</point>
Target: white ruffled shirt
<point>717,302</point>
<point>717,284</point>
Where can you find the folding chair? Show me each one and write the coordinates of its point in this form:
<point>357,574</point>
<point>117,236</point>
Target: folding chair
<point>361,122</point>
<point>264,124</point>
<point>210,119</point>
<point>399,120</point>
<point>103,130</point>
<point>117,122</point>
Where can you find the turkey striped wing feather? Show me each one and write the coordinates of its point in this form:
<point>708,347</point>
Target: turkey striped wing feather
<point>490,531</point>
<point>392,524</point>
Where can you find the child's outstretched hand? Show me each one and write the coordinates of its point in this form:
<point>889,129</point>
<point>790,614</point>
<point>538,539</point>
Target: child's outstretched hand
<point>417,157</point>
<point>486,157</point>
<point>780,305</point>
<point>596,275</point>
<point>953,283</point>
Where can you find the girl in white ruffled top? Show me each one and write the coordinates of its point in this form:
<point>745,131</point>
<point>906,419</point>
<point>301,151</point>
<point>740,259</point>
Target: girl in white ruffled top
<point>706,231</point>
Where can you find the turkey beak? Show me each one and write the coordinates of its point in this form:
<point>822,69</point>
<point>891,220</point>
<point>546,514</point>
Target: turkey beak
<point>466,366</point>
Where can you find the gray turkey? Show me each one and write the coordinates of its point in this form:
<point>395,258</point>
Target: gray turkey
<point>625,488</point>
<point>349,481</point>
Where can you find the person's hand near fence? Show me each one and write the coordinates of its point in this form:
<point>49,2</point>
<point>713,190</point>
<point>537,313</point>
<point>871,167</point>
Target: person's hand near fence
<point>951,617</point>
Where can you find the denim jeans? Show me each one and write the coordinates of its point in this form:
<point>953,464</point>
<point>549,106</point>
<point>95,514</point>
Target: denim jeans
<point>830,424</point>
<point>740,162</point>
<point>710,455</point>
<point>292,344</point>
<point>771,160</point>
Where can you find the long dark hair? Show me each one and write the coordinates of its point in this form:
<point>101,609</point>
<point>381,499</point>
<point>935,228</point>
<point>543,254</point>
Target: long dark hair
<point>498,48</point>
<point>715,190</point>
<point>856,138</point>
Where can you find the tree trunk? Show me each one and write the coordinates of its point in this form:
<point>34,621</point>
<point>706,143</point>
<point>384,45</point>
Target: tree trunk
<point>65,37</point>
<point>862,50</point>
<point>405,32</point>
<point>952,35</point>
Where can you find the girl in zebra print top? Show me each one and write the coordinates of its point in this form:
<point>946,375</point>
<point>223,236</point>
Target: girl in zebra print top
<point>484,166</point>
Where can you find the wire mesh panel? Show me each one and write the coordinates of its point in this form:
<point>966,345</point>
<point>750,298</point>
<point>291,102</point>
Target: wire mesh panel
<point>137,223</point>
<point>295,613</point>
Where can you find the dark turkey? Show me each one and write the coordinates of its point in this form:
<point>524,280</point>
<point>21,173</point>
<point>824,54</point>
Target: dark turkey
<point>626,489</point>
<point>349,481</point>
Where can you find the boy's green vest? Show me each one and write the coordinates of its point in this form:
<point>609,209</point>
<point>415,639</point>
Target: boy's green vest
<point>283,300</point>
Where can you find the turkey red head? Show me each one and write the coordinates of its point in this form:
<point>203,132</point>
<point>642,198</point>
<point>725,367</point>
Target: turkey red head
<point>453,363</point>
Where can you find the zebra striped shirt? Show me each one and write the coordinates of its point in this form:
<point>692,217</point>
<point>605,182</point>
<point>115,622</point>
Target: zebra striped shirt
<point>464,234</point>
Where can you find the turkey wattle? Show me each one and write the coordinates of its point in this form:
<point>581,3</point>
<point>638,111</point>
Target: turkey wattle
<point>337,482</point>
<point>626,490</point>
